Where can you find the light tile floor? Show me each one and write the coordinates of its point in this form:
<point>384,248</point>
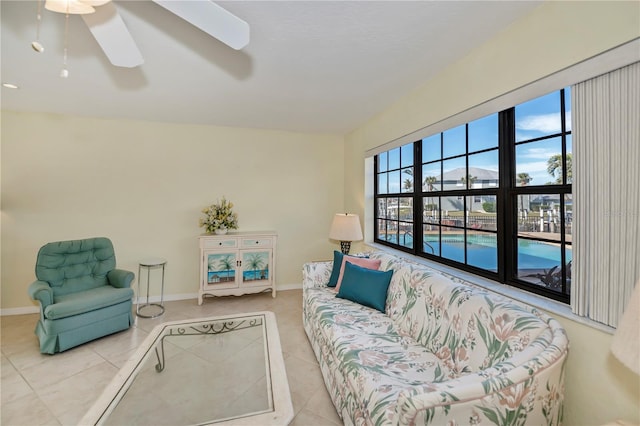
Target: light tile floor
<point>58,389</point>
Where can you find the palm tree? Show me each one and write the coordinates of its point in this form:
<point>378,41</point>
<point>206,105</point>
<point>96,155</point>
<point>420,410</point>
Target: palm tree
<point>429,181</point>
<point>469,178</point>
<point>554,167</point>
<point>255,261</point>
<point>524,179</point>
<point>407,185</point>
<point>226,264</point>
<point>408,182</point>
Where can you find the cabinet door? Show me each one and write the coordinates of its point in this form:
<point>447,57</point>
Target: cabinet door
<point>256,267</point>
<point>220,269</point>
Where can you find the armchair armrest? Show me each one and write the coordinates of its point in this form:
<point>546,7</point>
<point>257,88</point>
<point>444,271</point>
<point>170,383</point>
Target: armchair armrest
<point>42,292</point>
<point>120,278</point>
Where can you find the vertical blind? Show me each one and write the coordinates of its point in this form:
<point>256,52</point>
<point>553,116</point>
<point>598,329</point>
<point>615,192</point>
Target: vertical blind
<point>606,193</point>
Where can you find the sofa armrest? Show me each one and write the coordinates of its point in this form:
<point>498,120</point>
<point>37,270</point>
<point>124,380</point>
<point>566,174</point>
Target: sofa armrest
<point>534,388</point>
<point>120,278</point>
<point>316,274</point>
<point>42,292</point>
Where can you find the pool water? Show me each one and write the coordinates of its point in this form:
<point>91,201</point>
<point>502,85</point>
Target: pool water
<point>482,251</point>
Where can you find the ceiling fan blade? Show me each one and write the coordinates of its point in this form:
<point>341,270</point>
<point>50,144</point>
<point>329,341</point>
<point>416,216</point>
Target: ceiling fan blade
<point>212,19</point>
<point>114,38</point>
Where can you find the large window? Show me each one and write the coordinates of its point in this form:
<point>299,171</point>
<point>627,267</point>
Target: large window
<point>492,196</point>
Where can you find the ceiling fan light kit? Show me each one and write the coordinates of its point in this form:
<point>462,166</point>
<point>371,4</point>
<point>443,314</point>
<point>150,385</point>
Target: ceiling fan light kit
<point>35,45</point>
<point>72,7</point>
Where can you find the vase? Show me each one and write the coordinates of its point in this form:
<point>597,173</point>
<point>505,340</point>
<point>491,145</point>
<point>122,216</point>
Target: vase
<point>221,231</point>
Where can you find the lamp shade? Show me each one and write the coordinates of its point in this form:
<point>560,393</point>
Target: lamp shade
<point>346,227</point>
<point>625,345</point>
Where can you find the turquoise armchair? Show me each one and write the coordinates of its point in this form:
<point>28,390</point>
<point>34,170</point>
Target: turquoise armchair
<point>81,293</point>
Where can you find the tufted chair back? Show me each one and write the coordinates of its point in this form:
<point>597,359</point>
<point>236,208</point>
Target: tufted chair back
<point>78,265</point>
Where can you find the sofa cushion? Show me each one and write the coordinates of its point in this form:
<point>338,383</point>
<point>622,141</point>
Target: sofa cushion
<point>388,262</point>
<point>85,301</point>
<point>370,353</point>
<point>360,261</point>
<point>472,327</point>
<point>365,286</point>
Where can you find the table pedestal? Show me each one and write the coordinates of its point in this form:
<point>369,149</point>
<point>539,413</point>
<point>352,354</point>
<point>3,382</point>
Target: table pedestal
<point>149,264</point>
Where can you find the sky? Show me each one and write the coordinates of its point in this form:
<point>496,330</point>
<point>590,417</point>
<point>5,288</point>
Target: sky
<point>534,119</point>
<point>537,118</point>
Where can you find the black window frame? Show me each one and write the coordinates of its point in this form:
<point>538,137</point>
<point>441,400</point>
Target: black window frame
<point>506,195</point>
<point>396,222</point>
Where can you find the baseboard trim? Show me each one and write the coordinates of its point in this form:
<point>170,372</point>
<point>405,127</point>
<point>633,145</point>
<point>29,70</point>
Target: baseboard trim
<point>285,287</point>
<point>20,311</point>
<point>166,298</point>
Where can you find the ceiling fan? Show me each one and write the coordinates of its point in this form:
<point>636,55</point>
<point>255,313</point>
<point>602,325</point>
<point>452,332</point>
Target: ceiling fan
<point>111,33</point>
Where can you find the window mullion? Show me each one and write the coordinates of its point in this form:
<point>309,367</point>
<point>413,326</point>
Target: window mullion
<point>465,197</point>
<point>417,197</point>
<point>506,227</point>
<point>563,254</point>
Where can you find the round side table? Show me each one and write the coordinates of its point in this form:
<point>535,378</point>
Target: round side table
<point>149,264</point>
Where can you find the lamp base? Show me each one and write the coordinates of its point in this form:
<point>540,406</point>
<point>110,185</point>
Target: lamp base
<point>345,246</point>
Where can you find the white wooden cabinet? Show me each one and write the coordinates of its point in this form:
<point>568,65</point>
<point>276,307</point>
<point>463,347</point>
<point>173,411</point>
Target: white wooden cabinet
<point>237,263</point>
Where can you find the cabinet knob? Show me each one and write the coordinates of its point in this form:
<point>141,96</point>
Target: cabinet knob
<point>219,244</point>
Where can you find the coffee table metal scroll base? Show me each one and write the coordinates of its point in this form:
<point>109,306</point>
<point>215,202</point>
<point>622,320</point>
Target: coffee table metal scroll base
<point>212,328</point>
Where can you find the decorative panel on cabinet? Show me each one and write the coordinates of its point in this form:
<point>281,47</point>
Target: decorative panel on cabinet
<point>237,263</point>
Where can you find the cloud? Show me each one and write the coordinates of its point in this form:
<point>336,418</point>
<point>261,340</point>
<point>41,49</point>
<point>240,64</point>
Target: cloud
<point>531,153</point>
<point>533,167</point>
<point>544,123</point>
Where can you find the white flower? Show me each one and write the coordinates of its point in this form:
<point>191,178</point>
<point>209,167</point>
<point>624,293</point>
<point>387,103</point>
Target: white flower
<point>219,216</point>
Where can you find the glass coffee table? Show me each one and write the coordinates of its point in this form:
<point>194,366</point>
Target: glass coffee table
<point>224,370</point>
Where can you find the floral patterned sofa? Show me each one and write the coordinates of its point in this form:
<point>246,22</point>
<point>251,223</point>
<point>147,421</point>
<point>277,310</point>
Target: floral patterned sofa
<point>443,352</point>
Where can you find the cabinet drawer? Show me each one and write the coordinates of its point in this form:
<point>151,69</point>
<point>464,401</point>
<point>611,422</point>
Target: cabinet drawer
<point>212,244</point>
<point>256,242</point>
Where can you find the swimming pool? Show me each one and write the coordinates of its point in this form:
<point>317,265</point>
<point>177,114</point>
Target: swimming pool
<point>482,251</point>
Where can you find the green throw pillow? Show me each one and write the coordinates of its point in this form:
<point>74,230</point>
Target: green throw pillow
<point>365,286</point>
<point>335,272</point>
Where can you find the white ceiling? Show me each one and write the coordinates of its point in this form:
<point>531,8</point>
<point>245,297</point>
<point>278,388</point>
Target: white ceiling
<point>311,66</point>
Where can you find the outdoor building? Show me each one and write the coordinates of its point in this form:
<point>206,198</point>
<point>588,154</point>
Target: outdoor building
<point>478,178</point>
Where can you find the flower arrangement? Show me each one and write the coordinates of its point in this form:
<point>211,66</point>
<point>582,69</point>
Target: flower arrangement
<point>219,217</point>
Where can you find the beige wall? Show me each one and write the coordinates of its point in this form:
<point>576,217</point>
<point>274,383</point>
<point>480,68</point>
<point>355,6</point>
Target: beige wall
<point>143,185</point>
<point>553,37</point>
<point>598,388</point>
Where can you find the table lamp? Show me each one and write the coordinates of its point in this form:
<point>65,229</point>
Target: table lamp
<point>346,228</point>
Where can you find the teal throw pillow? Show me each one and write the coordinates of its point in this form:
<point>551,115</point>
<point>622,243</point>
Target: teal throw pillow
<point>367,287</point>
<point>335,272</point>
<point>337,266</point>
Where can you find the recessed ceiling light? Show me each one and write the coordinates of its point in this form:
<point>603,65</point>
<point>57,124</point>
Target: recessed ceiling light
<point>10,85</point>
